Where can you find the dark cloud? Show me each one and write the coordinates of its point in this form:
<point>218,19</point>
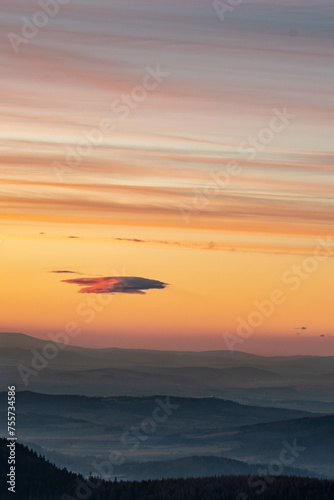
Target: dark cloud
<point>209,246</point>
<point>64,271</point>
<point>134,240</point>
<point>116,284</point>
<point>155,242</point>
<point>322,335</point>
<point>73,236</point>
<point>303,328</point>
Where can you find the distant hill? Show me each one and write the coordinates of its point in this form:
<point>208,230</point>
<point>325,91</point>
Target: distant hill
<point>82,428</point>
<point>37,479</point>
<point>192,466</point>
<point>190,413</point>
<point>116,357</point>
<point>314,435</point>
<point>300,382</point>
<point>197,466</point>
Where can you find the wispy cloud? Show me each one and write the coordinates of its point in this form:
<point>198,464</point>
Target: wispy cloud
<point>64,271</point>
<point>151,167</point>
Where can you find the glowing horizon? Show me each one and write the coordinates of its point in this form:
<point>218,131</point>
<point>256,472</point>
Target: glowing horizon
<point>181,149</point>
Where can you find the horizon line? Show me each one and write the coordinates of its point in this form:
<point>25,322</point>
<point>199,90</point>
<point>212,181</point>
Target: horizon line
<point>168,350</point>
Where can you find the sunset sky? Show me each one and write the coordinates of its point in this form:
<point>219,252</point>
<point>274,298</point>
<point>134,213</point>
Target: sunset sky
<point>167,168</point>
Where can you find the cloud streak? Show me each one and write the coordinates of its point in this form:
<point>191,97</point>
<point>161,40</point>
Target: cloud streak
<point>63,271</point>
<point>116,284</point>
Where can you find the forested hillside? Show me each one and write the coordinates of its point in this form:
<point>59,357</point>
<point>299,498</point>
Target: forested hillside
<point>38,479</point>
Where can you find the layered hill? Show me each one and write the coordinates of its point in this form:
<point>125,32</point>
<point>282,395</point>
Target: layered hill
<point>300,382</point>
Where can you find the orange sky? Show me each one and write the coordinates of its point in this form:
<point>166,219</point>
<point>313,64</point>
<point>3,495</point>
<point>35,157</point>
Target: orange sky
<point>181,149</point>
<point>208,291</point>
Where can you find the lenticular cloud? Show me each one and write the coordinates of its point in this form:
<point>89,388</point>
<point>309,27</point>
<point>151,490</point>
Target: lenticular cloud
<point>116,284</point>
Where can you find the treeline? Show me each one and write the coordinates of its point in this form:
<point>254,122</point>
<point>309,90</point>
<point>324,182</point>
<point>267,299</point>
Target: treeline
<point>35,477</point>
<point>38,479</point>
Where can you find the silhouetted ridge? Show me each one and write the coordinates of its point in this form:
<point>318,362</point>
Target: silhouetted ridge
<point>38,479</point>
